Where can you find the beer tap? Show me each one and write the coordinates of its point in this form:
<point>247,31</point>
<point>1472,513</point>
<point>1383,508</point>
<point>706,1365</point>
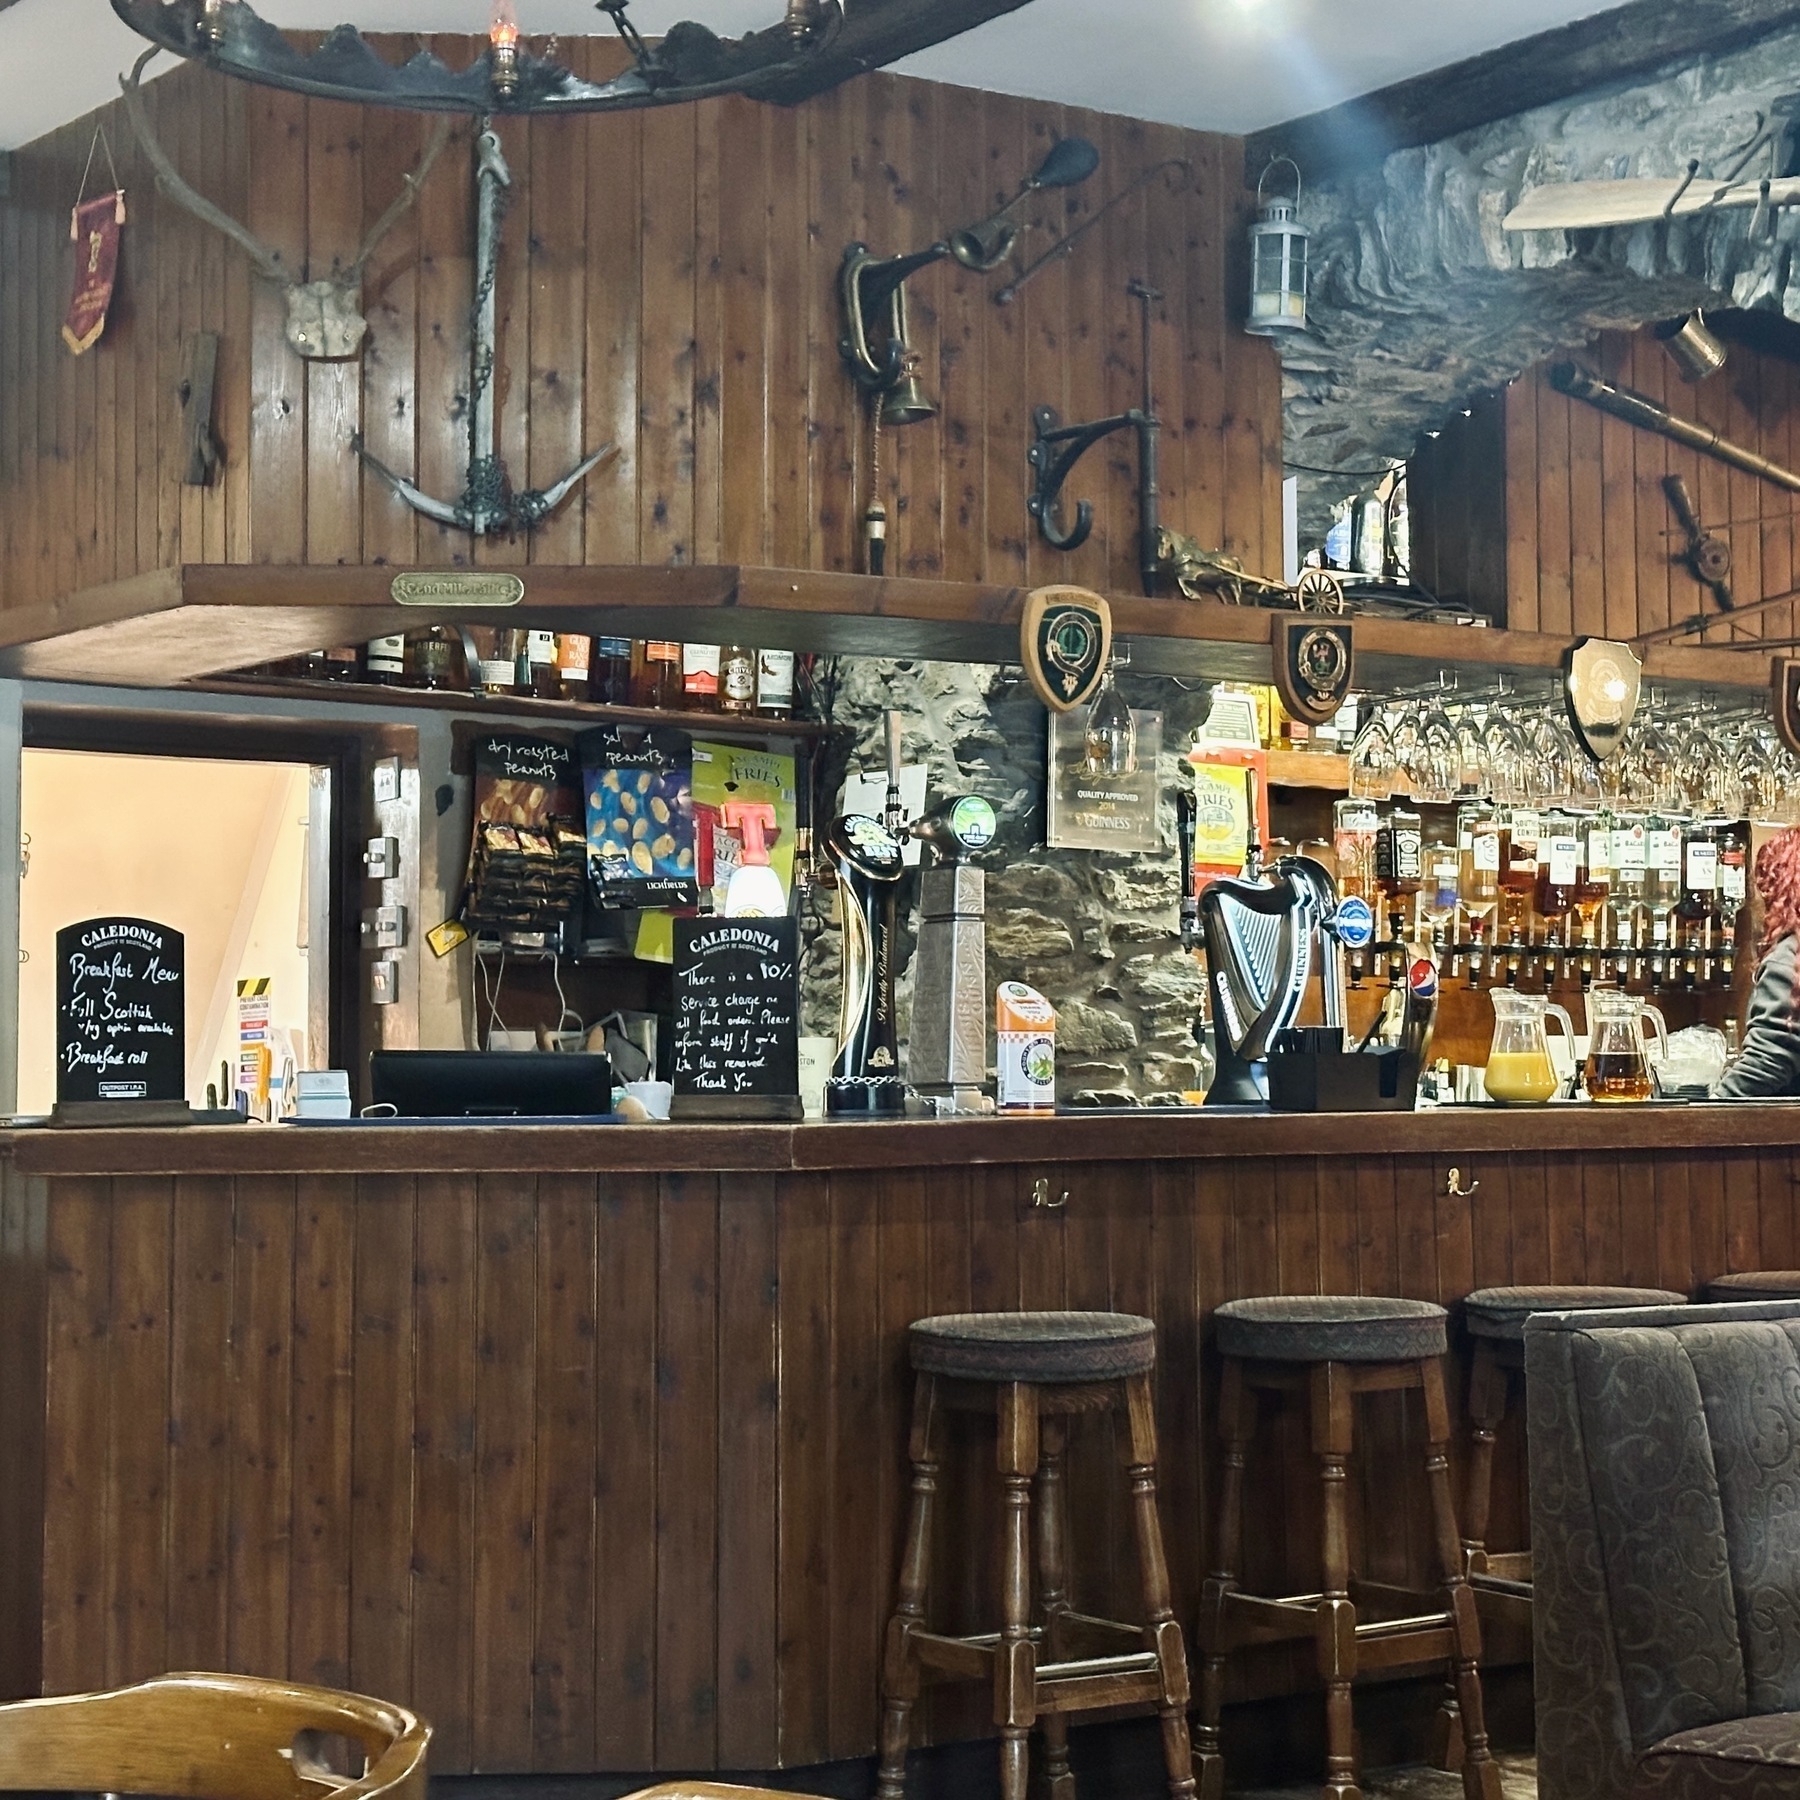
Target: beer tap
<point>870,865</point>
<point>946,1051</point>
<point>1185,819</point>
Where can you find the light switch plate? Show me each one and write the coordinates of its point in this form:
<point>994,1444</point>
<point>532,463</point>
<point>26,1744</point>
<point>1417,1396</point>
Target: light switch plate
<point>384,981</point>
<point>387,779</point>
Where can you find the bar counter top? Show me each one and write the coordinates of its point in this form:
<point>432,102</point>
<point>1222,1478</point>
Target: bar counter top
<point>1152,1135</point>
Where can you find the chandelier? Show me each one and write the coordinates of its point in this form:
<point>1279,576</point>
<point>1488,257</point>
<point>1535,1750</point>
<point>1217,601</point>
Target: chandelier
<point>690,63</point>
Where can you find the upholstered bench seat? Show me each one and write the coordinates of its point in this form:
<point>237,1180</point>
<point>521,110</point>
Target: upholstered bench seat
<point>1501,1312</point>
<point>1757,1758</point>
<point>1034,1346</point>
<point>1756,1284</point>
<point>1308,1328</point>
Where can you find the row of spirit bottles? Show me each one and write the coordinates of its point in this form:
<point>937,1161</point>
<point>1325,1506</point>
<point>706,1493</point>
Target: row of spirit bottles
<point>1642,891</point>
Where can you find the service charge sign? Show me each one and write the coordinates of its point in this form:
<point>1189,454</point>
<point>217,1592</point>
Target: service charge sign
<point>120,1011</point>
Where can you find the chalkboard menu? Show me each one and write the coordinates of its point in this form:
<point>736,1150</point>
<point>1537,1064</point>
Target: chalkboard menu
<point>120,1011</point>
<point>737,1007</point>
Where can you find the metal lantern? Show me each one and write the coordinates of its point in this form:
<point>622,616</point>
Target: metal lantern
<point>1277,260</point>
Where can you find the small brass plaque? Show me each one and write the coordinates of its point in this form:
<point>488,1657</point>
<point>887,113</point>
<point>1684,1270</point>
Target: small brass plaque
<point>457,587</point>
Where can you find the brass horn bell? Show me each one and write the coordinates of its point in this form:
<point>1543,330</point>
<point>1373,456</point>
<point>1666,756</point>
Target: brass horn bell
<point>907,403</point>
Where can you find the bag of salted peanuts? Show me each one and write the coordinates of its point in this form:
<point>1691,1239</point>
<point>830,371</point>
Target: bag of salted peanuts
<point>639,785</point>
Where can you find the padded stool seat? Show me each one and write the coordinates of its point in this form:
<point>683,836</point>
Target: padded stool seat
<point>1034,1346</point>
<point>1756,1284</point>
<point>1501,1312</point>
<point>1347,1328</point>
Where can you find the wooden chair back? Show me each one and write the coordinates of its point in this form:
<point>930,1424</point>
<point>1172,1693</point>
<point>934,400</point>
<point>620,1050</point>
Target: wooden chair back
<point>213,1737</point>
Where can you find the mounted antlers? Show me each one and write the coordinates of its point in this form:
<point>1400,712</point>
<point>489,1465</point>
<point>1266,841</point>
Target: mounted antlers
<point>324,322</point>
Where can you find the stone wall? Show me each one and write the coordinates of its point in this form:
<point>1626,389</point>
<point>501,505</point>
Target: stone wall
<point>1094,932</point>
<point>1420,299</point>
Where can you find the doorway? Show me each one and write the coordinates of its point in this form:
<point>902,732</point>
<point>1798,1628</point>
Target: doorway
<point>234,854</point>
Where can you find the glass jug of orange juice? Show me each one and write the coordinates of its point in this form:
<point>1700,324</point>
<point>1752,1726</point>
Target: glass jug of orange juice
<point>1519,1069</point>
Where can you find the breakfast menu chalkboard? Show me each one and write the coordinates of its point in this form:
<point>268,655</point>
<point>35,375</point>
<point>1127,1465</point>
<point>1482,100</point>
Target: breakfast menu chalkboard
<point>120,1011</point>
<point>737,1007</point>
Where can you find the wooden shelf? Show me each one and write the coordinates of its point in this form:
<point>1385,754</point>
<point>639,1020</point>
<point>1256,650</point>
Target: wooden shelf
<point>570,715</point>
<point>1309,769</point>
<point>203,620</point>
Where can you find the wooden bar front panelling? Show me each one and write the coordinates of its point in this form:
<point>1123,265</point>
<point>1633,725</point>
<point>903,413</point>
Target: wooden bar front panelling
<point>669,284</point>
<point>604,1472</point>
<point>1548,515</point>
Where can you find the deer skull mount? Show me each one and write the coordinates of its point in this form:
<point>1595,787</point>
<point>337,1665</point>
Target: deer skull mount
<point>324,317</point>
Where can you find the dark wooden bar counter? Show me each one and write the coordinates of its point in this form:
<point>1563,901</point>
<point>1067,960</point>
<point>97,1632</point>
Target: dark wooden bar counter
<point>587,1443</point>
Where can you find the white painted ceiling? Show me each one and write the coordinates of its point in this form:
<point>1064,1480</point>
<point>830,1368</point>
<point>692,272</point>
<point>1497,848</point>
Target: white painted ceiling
<point>1227,65</point>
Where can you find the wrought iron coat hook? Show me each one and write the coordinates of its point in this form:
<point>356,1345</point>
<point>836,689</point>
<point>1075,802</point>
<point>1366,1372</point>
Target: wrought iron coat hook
<point>1056,449</point>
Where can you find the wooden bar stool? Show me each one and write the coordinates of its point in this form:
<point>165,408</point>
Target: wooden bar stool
<point>1327,1349</point>
<point>1496,1321</point>
<point>1754,1284</point>
<point>1033,1371</point>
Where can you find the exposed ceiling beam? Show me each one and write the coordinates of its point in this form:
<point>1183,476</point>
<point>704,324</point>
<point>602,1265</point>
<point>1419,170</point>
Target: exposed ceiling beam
<point>1595,52</point>
<point>878,32</point>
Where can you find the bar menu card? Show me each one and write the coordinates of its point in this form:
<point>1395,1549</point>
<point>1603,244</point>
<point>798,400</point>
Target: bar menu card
<point>737,1007</point>
<point>120,1011</point>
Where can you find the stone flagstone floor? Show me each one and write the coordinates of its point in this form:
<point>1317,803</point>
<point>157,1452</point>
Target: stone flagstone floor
<point>1518,1778</point>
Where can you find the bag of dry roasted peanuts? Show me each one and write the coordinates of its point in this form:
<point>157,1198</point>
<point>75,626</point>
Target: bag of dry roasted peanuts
<point>526,857</point>
<point>639,784</point>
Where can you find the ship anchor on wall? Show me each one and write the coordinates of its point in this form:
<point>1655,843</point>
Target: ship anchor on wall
<point>487,504</point>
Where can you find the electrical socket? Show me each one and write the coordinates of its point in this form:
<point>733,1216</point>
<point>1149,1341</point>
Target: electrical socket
<point>387,780</point>
<point>384,981</point>
<point>381,859</point>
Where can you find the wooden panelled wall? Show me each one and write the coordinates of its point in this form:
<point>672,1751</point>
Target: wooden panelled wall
<point>668,283</point>
<point>1549,515</point>
<point>606,1472</point>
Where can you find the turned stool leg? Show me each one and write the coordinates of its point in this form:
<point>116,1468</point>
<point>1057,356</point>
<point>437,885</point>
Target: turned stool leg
<point>1334,1638</point>
<point>1015,1667</point>
<point>1053,1592</point>
<point>1487,1408</point>
<point>1237,1420</point>
<point>900,1666</point>
<point>1480,1773</point>
<point>1160,1629</point>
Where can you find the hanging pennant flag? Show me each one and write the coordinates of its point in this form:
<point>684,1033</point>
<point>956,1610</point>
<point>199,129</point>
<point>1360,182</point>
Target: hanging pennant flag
<point>94,227</point>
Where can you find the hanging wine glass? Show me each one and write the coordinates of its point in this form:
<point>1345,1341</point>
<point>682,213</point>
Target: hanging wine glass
<point>1436,767</point>
<point>1372,768</point>
<point>1504,746</point>
<point>1471,747</point>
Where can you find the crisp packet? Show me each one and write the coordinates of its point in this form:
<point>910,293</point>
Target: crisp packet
<point>640,816</point>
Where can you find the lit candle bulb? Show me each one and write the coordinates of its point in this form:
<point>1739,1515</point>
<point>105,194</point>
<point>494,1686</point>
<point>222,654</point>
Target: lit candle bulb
<point>503,37</point>
<point>211,27</point>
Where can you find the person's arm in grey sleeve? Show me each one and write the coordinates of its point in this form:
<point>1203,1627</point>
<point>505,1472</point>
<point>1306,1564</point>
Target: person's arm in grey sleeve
<point>1770,1061</point>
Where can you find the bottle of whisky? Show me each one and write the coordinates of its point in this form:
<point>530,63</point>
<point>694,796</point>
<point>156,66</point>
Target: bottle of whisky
<point>384,662</point>
<point>737,679</point>
<point>655,673</point>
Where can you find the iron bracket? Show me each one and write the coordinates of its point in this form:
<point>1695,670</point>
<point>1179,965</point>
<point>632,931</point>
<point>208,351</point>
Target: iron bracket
<point>1056,449</point>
